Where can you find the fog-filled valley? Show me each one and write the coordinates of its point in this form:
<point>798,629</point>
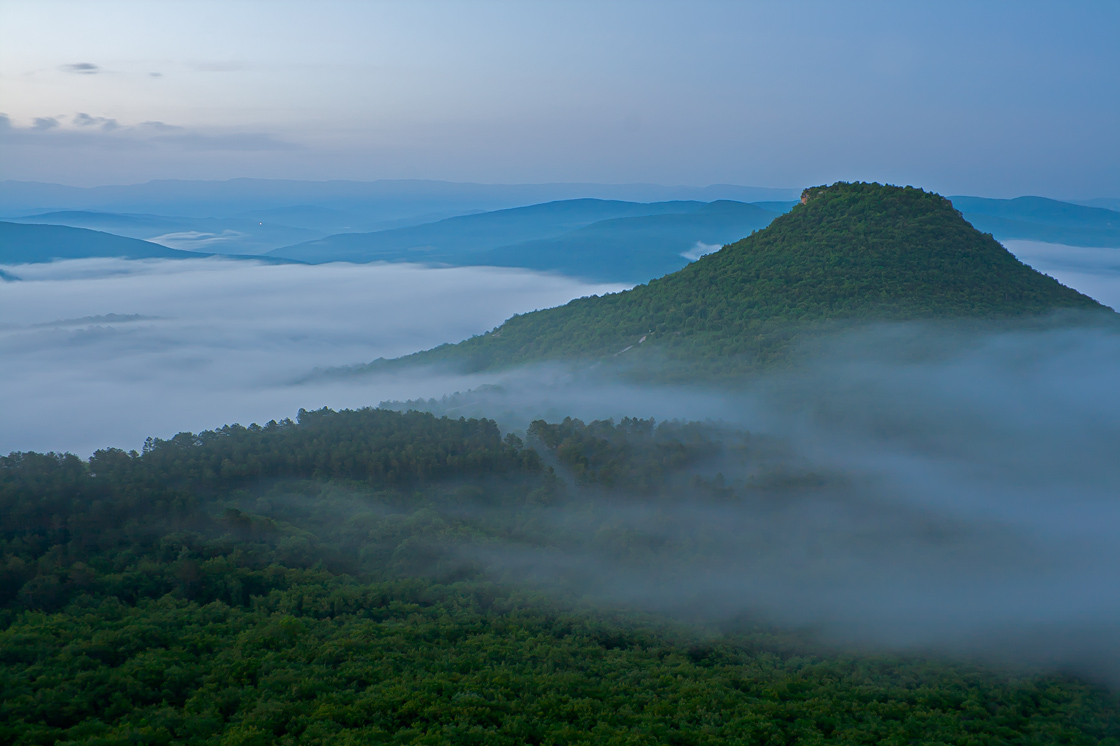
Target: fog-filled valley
<point>106,352</point>
<point>898,493</point>
<point>932,470</point>
<point>618,374</point>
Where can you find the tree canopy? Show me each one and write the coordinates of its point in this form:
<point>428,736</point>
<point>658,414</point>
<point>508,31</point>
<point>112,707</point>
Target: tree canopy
<point>298,583</point>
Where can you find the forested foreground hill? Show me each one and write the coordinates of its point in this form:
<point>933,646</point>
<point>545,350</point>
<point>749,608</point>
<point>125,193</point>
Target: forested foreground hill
<point>851,253</point>
<point>331,580</point>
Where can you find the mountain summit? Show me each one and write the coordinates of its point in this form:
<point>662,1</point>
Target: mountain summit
<point>847,252</point>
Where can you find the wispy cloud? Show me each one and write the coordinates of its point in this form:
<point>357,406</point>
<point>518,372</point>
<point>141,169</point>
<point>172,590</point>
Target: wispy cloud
<point>159,127</point>
<point>82,68</point>
<point>88,130</point>
<point>701,249</point>
<point>106,124</point>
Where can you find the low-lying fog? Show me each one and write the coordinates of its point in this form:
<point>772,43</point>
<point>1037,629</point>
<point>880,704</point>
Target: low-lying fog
<point>915,486</point>
<point>982,466</point>
<point>105,352</point>
<point>1093,271</point>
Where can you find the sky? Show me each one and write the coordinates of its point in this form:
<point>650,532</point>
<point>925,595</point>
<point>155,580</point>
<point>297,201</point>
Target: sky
<point>996,99</point>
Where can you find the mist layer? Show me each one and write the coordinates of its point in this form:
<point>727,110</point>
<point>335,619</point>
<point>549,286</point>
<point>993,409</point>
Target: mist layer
<point>107,352</point>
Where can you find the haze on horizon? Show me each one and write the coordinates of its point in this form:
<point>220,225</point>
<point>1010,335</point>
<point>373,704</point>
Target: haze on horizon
<point>998,99</point>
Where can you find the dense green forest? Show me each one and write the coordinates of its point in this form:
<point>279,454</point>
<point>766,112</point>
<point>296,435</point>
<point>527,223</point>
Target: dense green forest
<point>331,580</point>
<point>852,253</point>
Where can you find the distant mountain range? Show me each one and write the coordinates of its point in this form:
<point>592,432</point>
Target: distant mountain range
<point>627,242</point>
<point>32,243</point>
<point>25,244</point>
<point>1041,219</point>
<point>614,240</point>
<point>850,253</point>
<point>210,235</point>
<point>603,240</point>
<point>341,206</point>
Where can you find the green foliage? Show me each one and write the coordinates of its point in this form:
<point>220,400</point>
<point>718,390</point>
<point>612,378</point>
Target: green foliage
<point>634,455</point>
<point>298,583</point>
<point>852,253</point>
<point>331,662</point>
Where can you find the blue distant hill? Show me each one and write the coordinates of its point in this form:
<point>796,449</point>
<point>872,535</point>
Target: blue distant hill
<point>636,249</point>
<point>31,244</point>
<point>1041,219</point>
<point>208,235</point>
<point>631,242</point>
<point>605,240</point>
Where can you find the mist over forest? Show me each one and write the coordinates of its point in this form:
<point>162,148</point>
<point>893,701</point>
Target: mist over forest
<point>995,449</point>
<point>619,374</point>
<point>107,352</point>
<point>914,491</point>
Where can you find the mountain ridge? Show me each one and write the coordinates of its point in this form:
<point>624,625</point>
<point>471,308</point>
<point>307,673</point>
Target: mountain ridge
<point>34,243</point>
<point>599,240</point>
<point>851,252</point>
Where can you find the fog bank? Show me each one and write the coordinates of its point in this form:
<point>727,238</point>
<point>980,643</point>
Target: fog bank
<point>105,352</point>
<point>909,487</point>
<point>1093,271</point>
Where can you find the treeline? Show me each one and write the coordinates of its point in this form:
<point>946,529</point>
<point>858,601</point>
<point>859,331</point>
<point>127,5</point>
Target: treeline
<point>325,581</point>
<point>265,493</point>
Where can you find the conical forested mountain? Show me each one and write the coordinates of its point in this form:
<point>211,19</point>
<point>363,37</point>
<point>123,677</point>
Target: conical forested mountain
<point>863,252</point>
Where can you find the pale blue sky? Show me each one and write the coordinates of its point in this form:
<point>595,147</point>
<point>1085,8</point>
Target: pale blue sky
<point>992,98</point>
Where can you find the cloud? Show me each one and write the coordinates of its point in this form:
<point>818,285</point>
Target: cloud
<point>701,249</point>
<point>195,240</point>
<point>159,126</point>
<point>106,124</point>
<point>105,132</point>
<point>82,68</point>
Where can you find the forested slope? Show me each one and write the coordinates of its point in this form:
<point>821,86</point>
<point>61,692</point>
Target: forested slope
<point>851,253</point>
<point>302,583</point>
